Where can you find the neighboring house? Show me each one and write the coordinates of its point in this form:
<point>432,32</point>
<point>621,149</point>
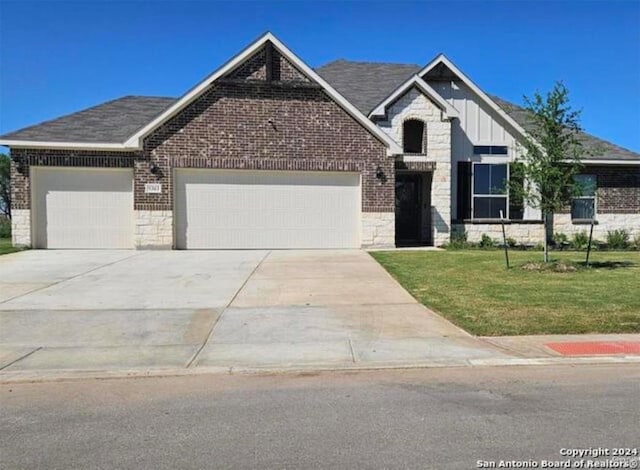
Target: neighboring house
<point>269,153</point>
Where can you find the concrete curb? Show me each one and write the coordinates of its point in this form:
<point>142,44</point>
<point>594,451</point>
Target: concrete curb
<point>22,377</point>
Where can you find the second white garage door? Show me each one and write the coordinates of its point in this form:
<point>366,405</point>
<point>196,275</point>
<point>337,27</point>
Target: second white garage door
<point>267,209</point>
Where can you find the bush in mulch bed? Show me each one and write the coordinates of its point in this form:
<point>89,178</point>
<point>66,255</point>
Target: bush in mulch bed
<point>552,267</point>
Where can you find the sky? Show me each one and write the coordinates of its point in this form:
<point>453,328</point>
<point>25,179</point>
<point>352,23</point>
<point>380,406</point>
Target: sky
<point>59,57</point>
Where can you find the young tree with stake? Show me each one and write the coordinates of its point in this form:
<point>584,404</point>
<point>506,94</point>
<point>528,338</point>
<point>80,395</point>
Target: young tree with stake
<point>550,157</point>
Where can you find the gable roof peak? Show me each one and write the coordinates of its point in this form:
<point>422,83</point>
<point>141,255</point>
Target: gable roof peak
<point>136,139</point>
<point>423,87</point>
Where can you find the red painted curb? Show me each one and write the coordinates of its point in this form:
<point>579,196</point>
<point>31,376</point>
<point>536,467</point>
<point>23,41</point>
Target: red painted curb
<point>591,348</point>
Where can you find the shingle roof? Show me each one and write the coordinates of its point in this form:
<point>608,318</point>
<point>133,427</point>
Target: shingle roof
<point>600,148</point>
<point>110,122</point>
<point>367,84</point>
<point>364,84</point>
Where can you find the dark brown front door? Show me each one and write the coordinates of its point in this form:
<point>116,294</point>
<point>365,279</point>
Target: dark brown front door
<point>408,208</point>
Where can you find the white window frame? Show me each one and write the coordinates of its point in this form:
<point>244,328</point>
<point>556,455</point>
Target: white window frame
<point>594,197</point>
<point>497,155</point>
<point>474,195</point>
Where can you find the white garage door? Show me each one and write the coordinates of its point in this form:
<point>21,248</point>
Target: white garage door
<point>267,209</point>
<point>82,208</point>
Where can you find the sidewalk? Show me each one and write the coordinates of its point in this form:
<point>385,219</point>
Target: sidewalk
<point>500,351</point>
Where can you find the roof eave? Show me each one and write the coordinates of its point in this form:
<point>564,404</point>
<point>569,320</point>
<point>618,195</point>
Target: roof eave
<point>39,144</point>
<point>609,161</point>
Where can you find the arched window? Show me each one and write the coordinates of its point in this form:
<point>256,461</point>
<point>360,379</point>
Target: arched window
<point>413,136</point>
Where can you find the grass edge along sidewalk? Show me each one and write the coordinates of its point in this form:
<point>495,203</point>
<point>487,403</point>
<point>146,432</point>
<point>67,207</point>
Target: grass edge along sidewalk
<point>474,290</point>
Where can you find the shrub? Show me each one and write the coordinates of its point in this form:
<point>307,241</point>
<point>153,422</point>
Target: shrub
<point>618,239</point>
<point>5,228</point>
<point>486,241</point>
<point>512,242</point>
<point>560,239</point>
<point>539,246</point>
<point>580,240</point>
<point>458,240</point>
<point>636,242</point>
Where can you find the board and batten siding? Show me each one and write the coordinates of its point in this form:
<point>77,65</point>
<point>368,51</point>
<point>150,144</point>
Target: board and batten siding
<point>478,124</point>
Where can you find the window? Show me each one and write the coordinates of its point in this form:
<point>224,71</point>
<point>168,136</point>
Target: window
<point>490,150</point>
<point>584,206</point>
<point>490,194</point>
<point>413,136</point>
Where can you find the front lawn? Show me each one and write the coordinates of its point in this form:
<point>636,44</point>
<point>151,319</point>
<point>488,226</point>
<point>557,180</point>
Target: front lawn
<point>473,289</point>
<point>5,246</point>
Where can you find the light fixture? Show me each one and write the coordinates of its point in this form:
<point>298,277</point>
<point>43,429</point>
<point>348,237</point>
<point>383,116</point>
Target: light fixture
<point>380,174</point>
<point>155,170</point>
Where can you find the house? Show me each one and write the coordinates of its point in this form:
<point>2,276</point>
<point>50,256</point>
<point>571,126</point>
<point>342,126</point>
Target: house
<point>269,153</point>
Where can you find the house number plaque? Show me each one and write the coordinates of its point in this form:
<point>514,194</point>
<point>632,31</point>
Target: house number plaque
<point>153,188</point>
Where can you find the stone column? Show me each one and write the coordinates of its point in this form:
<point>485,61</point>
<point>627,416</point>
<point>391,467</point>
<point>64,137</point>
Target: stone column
<point>378,229</point>
<point>153,229</point>
<point>439,151</point>
<point>21,227</point>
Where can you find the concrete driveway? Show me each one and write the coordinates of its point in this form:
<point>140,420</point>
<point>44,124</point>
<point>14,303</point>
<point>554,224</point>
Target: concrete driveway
<point>115,310</point>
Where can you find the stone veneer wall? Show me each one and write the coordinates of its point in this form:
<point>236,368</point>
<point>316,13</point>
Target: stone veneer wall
<point>378,229</point>
<point>533,233</point>
<point>21,227</point>
<point>526,233</point>
<point>606,222</point>
<point>153,229</point>
<point>415,105</point>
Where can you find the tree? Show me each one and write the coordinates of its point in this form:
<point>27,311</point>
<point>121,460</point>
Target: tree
<point>550,158</point>
<point>5,185</point>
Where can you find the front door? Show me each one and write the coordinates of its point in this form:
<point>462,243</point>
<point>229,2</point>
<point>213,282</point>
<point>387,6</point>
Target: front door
<point>408,208</point>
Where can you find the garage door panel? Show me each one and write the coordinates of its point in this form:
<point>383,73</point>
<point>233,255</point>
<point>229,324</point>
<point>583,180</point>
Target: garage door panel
<point>83,208</point>
<point>261,209</point>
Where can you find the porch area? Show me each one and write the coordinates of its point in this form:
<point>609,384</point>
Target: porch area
<point>414,212</point>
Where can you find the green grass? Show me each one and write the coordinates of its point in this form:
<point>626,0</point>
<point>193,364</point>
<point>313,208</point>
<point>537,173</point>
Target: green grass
<point>473,289</point>
<point>5,246</point>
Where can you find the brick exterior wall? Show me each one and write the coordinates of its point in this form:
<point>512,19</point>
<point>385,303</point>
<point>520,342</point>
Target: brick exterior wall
<point>618,189</point>
<point>264,126</point>
<point>255,68</point>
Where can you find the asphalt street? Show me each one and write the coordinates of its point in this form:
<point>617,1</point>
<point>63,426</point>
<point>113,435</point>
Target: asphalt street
<point>430,418</point>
